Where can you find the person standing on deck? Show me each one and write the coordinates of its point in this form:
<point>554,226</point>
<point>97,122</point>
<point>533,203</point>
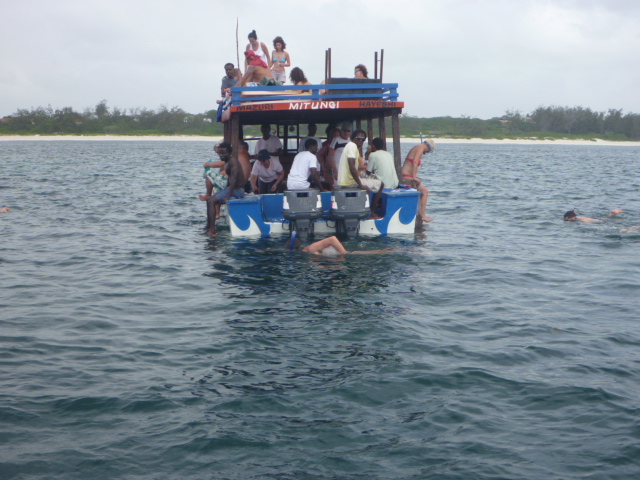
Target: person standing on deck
<point>258,48</point>
<point>323,156</point>
<point>268,142</point>
<point>410,176</point>
<point>313,128</point>
<point>235,188</point>
<point>279,60</point>
<point>336,148</point>
<point>245,160</point>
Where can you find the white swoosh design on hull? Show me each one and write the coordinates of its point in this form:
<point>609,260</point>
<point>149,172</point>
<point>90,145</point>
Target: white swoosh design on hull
<point>253,229</point>
<point>396,226</point>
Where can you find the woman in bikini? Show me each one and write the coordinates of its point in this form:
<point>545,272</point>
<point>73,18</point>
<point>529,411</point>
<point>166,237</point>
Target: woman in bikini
<point>279,60</point>
<point>410,176</point>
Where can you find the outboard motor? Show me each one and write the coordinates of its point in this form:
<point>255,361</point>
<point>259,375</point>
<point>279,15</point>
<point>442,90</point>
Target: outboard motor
<point>348,207</point>
<point>302,208</point>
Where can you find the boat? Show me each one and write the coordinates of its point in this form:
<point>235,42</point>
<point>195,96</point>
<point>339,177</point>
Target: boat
<point>359,101</point>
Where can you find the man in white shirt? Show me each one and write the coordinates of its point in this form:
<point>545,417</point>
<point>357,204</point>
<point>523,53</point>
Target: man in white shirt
<point>336,148</point>
<point>305,165</point>
<point>269,142</point>
<point>313,128</point>
<point>267,173</point>
<point>381,163</point>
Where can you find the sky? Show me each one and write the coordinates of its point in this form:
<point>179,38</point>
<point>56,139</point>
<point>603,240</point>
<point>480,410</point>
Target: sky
<point>474,58</point>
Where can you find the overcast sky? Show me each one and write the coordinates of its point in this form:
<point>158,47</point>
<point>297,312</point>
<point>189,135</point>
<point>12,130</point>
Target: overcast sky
<point>473,58</point>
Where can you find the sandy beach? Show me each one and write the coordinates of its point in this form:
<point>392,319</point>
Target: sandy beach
<point>190,138</point>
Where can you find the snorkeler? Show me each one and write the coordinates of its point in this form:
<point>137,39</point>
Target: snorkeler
<point>571,216</point>
<point>328,247</point>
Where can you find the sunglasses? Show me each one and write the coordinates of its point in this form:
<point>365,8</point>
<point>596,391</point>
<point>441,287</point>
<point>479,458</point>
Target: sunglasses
<point>360,138</point>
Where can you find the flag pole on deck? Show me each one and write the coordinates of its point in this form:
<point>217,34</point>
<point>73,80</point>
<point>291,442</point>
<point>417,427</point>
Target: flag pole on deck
<point>237,43</point>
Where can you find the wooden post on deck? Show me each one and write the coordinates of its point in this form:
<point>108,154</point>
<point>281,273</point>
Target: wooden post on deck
<point>235,135</point>
<point>226,135</point>
<point>382,126</point>
<point>375,63</point>
<point>370,128</point>
<point>395,126</point>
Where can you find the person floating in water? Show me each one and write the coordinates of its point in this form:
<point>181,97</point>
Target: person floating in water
<point>572,216</point>
<point>328,247</point>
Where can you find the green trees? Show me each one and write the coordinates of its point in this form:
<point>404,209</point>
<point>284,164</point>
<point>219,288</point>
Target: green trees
<point>104,120</point>
<point>543,121</point>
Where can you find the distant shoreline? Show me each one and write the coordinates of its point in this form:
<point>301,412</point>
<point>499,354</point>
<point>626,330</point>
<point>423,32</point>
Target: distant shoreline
<point>196,138</point>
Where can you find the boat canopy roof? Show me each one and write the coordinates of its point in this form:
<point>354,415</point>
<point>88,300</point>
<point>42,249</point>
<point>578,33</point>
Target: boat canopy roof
<point>340,100</point>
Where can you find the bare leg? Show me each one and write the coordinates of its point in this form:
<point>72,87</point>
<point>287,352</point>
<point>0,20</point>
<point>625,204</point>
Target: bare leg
<point>424,198</point>
<point>211,216</point>
<point>206,197</point>
<point>375,202</point>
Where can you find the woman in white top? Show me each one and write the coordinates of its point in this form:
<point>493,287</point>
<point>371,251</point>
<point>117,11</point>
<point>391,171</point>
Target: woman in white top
<point>258,48</point>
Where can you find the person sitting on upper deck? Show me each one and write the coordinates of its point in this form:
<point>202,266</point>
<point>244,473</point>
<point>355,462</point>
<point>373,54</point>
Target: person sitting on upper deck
<point>361,72</point>
<point>267,173</point>
<point>256,71</point>
<point>381,163</point>
<point>336,148</point>
<point>233,75</point>
<point>297,77</point>
<point>305,167</point>
<point>410,175</point>
<point>313,128</point>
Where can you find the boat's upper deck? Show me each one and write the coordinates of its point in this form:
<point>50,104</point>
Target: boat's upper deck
<point>337,102</point>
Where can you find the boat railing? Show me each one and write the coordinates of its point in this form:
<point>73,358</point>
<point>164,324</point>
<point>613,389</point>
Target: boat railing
<point>331,92</point>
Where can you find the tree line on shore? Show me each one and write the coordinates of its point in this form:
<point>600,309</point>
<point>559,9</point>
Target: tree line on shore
<point>544,122</point>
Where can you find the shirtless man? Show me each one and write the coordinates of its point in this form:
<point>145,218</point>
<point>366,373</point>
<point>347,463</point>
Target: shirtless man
<point>237,180</point>
<point>245,160</point>
<point>410,176</point>
<point>571,216</point>
<point>255,72</point>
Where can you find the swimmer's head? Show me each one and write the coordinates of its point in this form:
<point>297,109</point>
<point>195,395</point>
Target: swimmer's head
<point>295,245</point>
<point>570,216</point>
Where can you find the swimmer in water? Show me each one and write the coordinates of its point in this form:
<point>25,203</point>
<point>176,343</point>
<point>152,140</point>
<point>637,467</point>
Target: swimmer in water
<point>328,247</point>
<point>571,216</point>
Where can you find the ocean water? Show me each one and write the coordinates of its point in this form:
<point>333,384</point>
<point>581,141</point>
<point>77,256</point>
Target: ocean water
<point>499,342</point>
